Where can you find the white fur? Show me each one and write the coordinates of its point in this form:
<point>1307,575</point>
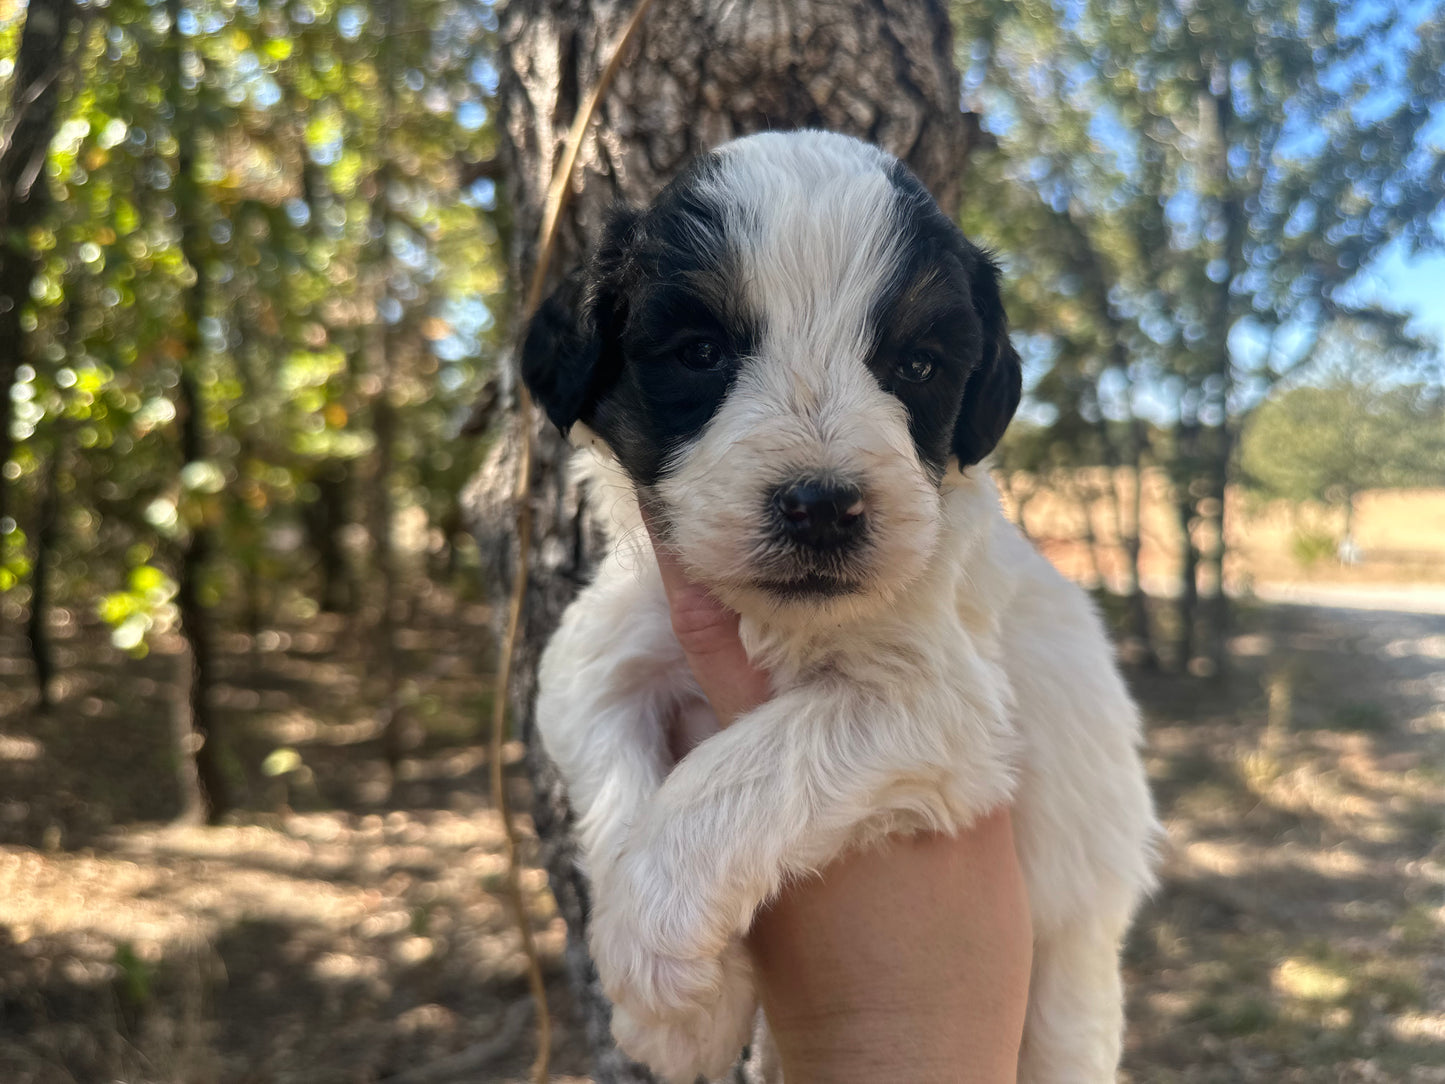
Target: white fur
<point>965,673</point>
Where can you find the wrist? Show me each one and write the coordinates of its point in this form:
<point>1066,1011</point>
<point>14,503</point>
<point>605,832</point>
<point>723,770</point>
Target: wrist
<point>909,962</point>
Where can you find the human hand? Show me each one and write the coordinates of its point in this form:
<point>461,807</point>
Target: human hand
<point>708,633</point>
<point>908,961</point>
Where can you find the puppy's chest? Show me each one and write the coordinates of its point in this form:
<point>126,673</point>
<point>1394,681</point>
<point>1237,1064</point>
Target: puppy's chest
<point>920,657</point>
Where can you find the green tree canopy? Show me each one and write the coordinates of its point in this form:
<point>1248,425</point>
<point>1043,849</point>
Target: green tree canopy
<point>1355,426</point>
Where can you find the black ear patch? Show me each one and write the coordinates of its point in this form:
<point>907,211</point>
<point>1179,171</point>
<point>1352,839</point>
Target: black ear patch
<point>559,355</point>
<point>992,393</point>
<point>570,354</point>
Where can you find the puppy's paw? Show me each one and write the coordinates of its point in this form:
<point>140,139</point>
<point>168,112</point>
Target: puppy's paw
<point>657,948</point>
<point>702,1039</point>
<point>648,977</point>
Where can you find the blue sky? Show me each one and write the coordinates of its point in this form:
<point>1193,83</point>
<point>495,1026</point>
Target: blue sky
<point>1413,285</point>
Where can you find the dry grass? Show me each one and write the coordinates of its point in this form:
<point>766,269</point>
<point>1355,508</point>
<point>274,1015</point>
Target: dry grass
<point>343,929</point>
<point>1400,532</point>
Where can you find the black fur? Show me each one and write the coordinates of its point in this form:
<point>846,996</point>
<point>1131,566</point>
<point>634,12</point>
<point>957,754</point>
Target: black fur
<point>560,353</point>
<point>993,392</point>
<point>569,354</point>
<point>947,300</point>
<point>608,348</point>
<point>662,281</point>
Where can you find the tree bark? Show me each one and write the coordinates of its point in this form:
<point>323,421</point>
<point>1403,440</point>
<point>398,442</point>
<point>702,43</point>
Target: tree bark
<point>1219,109</point>
<point>47,521</point>
<point>206,792</point>
<point>26,129</point>
<point>396,737</point>
<point>700,74</point>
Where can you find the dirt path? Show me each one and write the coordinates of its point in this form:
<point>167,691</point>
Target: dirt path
<point>1299,935</point>
<point>1387,600</point>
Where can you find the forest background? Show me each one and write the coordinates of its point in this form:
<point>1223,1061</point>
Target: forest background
<point>254,320</point>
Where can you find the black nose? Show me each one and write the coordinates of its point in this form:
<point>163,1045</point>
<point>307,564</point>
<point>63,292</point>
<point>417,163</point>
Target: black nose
<point>822,515</point>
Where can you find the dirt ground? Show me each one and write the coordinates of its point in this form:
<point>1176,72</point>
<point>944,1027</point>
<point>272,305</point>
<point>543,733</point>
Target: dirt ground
<point>1299,933</point>
<point>346,929</point>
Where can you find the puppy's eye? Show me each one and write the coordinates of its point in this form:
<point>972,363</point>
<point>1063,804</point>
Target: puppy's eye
<point>918,367</point>
<point>704,355</point>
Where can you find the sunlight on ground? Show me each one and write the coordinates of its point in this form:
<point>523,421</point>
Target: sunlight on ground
<point>20,748</point>
<point>1300,935</point>
<point>363,908</point>
<point>358,930</point>
<point>171,886</point>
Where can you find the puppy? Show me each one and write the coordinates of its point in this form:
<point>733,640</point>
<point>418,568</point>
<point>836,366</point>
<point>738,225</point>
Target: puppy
<point>796,362</point>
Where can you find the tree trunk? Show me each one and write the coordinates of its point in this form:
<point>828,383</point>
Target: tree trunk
<point>1139,642</point>
<point>1219,109</point>
<point>1185,470</point>
<point>700,74</point>
<point>26,129</point>
<point>1139,629</point>
<point>248,535</point>
<point>1188,608</point>
<point>1084,496</point>
<point>395,735</point>
<point>324,518</point>
<point>195,722</point>
<point>47,521</point>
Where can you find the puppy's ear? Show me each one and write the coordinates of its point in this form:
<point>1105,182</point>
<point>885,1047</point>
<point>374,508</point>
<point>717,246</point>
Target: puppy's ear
<point>992,393</point>
<point>570,355</point>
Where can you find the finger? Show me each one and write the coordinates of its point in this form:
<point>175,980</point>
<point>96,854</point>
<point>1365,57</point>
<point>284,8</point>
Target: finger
<point>708,633</point>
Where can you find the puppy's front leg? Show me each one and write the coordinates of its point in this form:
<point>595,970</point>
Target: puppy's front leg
<point>605,705</point>
<point>777,795</point>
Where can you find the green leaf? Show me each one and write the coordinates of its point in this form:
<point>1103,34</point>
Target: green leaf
<point>281,761</point>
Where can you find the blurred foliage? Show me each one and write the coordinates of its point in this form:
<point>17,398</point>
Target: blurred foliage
<point>1189,200</point>
<point>1169,181</point>
<point>310,184</point>
<point>1311,547</point>
<point>1354,426</point>
<point>1185,196</point>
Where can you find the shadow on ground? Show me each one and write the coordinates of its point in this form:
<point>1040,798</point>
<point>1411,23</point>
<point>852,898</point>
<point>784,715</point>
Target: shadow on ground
<point>1299,934</point>
<point>347,928</point>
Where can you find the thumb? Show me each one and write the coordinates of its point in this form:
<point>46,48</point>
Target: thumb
<point>708,633</point>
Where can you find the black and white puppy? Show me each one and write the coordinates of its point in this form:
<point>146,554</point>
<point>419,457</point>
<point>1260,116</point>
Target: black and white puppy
<point>797,362</point>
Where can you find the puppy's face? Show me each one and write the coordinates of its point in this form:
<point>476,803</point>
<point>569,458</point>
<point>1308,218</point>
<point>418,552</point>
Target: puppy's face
<point>785,351</point>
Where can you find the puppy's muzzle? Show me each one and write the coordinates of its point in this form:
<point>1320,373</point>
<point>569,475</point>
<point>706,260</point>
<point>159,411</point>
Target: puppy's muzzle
<point>823,515</point>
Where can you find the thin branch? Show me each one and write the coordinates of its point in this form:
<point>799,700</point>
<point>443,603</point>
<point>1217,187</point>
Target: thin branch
<point>24,100</point>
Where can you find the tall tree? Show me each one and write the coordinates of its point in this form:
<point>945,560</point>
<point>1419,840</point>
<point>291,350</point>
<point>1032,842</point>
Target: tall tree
<point>205,791</point>
<point>26,128</point>
<point>1233,167</point>
<point>701,74</point>
<point>382,352</point>
<point>286,137</point>
<point>1355,425</point>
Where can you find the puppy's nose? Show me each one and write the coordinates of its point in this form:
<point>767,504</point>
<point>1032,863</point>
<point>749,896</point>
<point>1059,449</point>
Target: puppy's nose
<point>821,515</point>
